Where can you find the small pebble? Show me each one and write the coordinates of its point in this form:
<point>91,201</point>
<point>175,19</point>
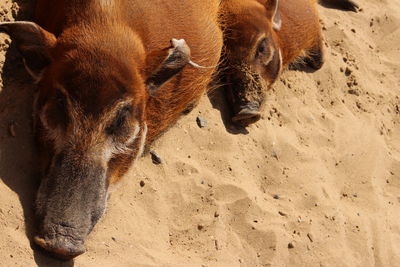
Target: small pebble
<point>200,227</point>
<point>113,238</point>
<point>155,158</point>
<point>277,197</point>
<point>310,237</point>
<point>216,244</point>
<point>290,245</point>
<point>142,183</point>
<point>282,213</point>
<point>347,71</point>
<point>201,122</point>
<point>353,92</point>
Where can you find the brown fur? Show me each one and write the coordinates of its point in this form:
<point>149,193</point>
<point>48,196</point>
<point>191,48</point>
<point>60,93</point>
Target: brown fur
<point>164,108</point>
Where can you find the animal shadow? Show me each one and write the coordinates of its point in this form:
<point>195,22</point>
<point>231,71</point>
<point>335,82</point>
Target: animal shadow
<point>218,100</point>
<point>17,147</point>
<point>344,5</point>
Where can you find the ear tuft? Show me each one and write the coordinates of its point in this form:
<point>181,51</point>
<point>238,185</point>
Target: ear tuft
<point>34,44</point>
<point>178,57</point>
<point>274,14</point>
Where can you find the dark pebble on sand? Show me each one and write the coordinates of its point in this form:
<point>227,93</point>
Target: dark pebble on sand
<point>353,92</point>
<point>309,235</point>
<point>201,122</point>
<point>282,213</point>
<point>155,158</point>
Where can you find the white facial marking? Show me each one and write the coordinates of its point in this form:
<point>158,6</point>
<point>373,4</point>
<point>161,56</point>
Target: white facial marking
<point>134,135</point>
<point>142,142</point>
<point>271,55</point>
<point>280,60</point>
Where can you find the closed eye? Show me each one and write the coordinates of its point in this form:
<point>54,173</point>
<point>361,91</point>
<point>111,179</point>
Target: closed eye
<point>262,47</point>
<point>265,51</point>
<point>117,127</point>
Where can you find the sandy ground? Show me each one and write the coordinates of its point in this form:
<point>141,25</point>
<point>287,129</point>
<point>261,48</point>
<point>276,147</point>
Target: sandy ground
<point>315,183</point>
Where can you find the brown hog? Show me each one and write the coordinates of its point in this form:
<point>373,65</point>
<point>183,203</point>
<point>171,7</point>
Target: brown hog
<point>261,38</point>
<point>109,82</point>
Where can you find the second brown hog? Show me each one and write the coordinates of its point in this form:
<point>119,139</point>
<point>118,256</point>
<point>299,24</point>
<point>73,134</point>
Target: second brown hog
<point>261,39</point>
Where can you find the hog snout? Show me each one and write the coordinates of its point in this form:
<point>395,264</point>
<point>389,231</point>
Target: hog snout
<point>246,94</point>
<point>247,113</point>
<point>70,201</point>
<point>61,246</point>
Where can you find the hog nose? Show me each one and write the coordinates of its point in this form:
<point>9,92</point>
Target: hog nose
<point>61,247</point>
<point>247,115</point>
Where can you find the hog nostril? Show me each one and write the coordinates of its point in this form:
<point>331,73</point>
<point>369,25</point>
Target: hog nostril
<point>65,224</point>
<point>247,116</point>
<point>61,247</point>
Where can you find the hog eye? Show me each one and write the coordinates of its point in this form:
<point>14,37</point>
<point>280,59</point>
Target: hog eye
<point>117,126</point>
<point>262,47</point>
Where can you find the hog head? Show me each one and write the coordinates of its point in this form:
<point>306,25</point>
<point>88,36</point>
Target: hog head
<point>90,120</point>
<point>253,59</point>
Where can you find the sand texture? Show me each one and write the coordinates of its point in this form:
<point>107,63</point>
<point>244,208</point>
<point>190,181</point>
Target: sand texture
<point>315,183</point>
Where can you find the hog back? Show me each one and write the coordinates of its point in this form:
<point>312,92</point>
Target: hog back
<point>300,27</point>
<point>196,21</point>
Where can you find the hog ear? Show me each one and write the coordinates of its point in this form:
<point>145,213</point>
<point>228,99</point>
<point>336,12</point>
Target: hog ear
<point>274,14</point>
<point>33,43</point>
<point>274,68</point>
<point>178,57</point>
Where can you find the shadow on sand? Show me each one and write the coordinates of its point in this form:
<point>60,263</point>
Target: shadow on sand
<point>218,100</point>
<point>17,149</point>
<point>344,5</point>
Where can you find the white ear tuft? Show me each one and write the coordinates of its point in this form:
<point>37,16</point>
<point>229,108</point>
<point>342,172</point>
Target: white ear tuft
<point>276,18</point>
<point>273,13</point>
